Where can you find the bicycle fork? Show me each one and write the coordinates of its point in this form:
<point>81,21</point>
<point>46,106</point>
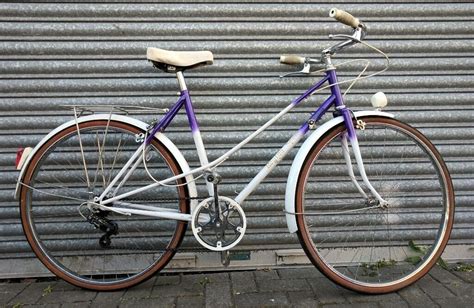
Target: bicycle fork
<point>352,137</point>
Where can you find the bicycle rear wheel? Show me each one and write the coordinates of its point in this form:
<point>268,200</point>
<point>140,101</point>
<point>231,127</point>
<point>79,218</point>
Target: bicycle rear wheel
<point>358,243</point>
<point>72,168</point>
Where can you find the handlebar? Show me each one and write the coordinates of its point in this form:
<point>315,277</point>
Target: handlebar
<point>292,59</point>
<point>343,17</point>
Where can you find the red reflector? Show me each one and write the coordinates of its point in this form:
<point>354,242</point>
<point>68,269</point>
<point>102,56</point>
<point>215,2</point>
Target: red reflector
<point>19,153</point>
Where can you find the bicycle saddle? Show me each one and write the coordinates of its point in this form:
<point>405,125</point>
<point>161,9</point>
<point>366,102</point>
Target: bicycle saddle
<point>173,61</point>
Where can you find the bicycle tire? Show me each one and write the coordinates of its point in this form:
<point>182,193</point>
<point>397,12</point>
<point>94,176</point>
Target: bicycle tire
<point>56,225</point>
<point>375,249</point>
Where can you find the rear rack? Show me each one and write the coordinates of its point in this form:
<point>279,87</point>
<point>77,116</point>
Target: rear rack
<point>82,110</point>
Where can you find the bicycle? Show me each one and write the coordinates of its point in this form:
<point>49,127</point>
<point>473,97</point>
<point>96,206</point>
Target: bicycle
<point>369,196</point>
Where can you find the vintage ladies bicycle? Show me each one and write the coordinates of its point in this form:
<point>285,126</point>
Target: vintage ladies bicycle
<point>105,199</point>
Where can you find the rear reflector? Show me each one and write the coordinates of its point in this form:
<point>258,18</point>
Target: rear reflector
<point>21,156</point>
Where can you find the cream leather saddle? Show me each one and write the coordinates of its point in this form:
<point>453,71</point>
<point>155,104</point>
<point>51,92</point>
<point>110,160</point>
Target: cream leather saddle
<point>174,61</point>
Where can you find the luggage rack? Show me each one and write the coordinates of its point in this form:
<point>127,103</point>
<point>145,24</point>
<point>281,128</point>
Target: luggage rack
<point>83,110</point>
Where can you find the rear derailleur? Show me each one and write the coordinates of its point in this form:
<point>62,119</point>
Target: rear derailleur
<point>99,220</point>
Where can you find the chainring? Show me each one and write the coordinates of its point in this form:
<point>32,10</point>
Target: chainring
<point>218,230</point>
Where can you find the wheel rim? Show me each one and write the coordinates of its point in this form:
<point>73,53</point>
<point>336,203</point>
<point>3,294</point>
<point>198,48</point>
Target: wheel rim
<point>67,243</point>
<point>375,249</point>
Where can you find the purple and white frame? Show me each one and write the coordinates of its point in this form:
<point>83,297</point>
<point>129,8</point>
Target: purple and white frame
<point>335,99</point>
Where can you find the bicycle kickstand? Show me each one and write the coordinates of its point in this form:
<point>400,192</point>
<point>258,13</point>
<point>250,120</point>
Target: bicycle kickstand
<point>225,258</point>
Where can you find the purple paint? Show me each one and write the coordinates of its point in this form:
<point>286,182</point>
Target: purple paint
<point>185,100</point>
<point>309,91</point>
<point>190,111</point>
<point>346,114</point>
<point>334,99</point>
<point>166,120</point>
<point>339,102</point>
<point>304,128</point>
<point>318,114</point>
<point>335,90</point>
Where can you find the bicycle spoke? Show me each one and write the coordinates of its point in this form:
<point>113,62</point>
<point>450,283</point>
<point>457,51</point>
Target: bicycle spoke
<point>367,245</point>
<point>60,193</point>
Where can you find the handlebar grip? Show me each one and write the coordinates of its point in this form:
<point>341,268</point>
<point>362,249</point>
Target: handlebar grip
<point>344,17</point>
<point>291,59</point>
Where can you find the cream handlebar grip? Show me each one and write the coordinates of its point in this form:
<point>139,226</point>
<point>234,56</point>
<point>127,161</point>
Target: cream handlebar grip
<point>344,17</point>
<point>291,59</point>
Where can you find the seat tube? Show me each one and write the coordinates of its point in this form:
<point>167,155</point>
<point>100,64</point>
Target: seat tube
<point>193,124</point>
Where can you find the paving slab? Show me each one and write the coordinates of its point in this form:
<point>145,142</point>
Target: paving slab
<point>433,288</point>
<point>266,274</point>
<point>416,297</point>
<point>148,302</point>
<point>303,299</point>
<point>243,282</point>
<point>354,297</point>
<point>396,304</point>
<point>32,293</point>
<point>68,297</point>
<point>190,301</point>
<point>285,287</point>
<point>167,280</point>
<point>107,299</point>
<point>261,299</point>
<point>142,290</point>
<point>300,273</point>
<point>327,292</point>
<point>8,291</point>
<point>219,294</point>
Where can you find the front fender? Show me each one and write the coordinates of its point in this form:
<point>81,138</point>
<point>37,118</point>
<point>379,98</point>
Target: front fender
<point>119,118</point>
<point>300,158</point>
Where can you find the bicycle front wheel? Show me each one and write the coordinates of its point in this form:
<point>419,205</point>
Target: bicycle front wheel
<point>357,242</point>
<point>91,248</point>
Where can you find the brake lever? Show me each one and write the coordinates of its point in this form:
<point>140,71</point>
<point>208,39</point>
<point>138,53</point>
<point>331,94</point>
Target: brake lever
<point>304,71</point>
<point>356,37</point>
<point>350,37</point>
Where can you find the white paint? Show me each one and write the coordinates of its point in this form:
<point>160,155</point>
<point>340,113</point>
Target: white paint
<point>202,155</point>
<point>207,166</point>
<point>301,155</point>
<point>360,166</point>
<point>347,158</point>
<point>262,174</point>
<point>131,121</point>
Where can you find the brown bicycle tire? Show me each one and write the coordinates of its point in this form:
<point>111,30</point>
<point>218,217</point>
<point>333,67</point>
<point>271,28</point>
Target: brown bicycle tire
<point>305,237</point>
<point>57,270</point>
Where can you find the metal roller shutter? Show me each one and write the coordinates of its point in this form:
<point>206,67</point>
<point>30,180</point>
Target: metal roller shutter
<point>94,53</point>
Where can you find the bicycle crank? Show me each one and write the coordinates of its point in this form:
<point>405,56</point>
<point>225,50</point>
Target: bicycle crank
<point>218,230</point>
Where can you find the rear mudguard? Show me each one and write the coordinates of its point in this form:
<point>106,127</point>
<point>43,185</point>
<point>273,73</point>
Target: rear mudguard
<point>119,118</point>
<point>290,195</point>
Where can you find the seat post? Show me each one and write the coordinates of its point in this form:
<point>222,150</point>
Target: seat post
<point>182,84</point>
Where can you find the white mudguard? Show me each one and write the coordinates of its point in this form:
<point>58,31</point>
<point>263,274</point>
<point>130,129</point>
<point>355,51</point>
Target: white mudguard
<point>300,158</point>
<point>134,122</point>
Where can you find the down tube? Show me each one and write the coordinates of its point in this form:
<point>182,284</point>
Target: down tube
<point>290,144</point>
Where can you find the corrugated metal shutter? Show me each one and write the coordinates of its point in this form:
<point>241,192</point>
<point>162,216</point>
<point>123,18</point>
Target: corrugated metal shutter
<point>94,53</point>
